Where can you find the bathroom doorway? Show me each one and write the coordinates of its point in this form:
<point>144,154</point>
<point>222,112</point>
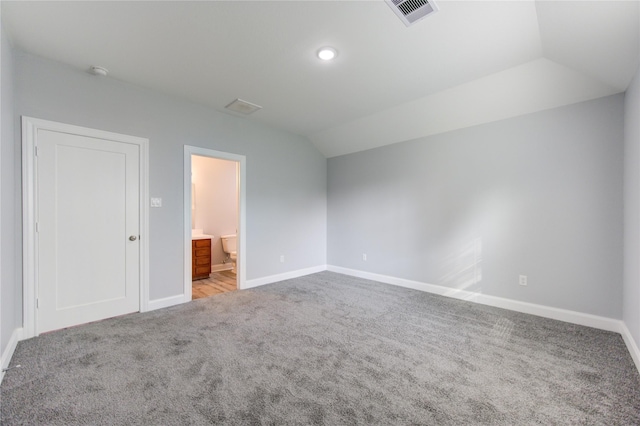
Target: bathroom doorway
<point>214,214</point>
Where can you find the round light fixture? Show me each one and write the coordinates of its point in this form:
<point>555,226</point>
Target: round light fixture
<point>327,53</point>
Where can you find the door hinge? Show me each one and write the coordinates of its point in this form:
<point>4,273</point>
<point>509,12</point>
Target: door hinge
<point>37,228</point>
<point>36,150</point>
<point>37,302</point>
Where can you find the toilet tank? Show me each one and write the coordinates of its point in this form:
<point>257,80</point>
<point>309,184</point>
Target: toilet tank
<point>228,243</point>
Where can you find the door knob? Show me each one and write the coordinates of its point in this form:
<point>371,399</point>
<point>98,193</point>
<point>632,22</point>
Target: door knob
<point>133,238</point>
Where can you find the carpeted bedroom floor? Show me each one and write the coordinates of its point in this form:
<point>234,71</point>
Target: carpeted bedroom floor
<point>324,349</point>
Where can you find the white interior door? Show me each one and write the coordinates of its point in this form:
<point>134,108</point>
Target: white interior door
<point>88,227</point>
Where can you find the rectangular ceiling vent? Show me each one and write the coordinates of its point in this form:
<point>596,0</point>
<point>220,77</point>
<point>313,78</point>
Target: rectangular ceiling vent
<point>411,11</point>
<point>243,107</point>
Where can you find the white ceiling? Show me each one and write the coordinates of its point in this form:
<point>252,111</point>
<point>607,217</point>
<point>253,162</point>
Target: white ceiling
<point>470,63</point>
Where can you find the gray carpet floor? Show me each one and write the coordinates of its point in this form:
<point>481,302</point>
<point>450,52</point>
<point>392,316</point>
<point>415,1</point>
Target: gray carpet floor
<point>323,349</point>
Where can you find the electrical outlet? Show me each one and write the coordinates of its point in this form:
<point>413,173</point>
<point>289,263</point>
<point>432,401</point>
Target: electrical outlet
<point>156,202</point>
<point>523,280</point>
<point>282,258</point>
<point>364,257</point>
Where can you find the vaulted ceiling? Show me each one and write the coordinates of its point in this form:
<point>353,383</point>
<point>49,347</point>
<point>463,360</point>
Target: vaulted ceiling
<point>470,63</point>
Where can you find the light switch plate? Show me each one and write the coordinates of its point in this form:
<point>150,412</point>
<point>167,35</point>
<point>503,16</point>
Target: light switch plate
<point>156,202</point>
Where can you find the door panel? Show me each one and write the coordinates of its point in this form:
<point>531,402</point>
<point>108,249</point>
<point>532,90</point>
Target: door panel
<point>87,207</point>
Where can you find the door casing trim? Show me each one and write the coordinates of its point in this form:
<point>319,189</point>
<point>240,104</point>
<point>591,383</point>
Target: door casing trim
<point>30,128</point>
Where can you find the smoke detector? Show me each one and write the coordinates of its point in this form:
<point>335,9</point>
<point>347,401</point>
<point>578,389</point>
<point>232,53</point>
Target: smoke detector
<point>243,107</point>
<point>412,11</point>
<point>100,71</point>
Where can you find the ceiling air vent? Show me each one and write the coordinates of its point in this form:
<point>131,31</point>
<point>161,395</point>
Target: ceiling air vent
<point>243,107</point>
<point>411,11</point>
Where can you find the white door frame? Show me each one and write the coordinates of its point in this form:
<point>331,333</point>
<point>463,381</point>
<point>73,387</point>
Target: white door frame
<point>242,191</point>
<point>30,128</point>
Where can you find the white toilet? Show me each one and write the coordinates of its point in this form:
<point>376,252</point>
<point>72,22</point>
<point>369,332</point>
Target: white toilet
<point>230,247</point>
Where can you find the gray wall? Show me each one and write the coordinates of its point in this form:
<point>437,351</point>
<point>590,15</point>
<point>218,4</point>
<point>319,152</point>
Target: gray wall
<point>286,174</point>
<point>10,270</point>
<point>631,293</point>
<point>538,195</point>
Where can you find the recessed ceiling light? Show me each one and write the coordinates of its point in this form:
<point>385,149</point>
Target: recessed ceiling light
<point>327,53</point>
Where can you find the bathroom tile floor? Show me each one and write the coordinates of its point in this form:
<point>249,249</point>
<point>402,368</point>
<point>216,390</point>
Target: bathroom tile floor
<point>218,282</point>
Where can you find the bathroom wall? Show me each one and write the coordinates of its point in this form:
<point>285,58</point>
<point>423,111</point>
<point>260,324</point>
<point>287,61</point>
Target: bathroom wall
<point>538,195</point>
<point>216,201</point>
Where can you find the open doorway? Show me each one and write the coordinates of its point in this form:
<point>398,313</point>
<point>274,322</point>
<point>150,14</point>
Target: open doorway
<point>214,226</point>
<point>214,222</point>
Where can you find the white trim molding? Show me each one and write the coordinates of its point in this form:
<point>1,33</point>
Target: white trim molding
<point>30,128</point>
<point>7,354</point>
<point>165,302</point>
<point>632,345</point>
<point>221,267</point>
<point>256,282</point>
<point>602,323</point>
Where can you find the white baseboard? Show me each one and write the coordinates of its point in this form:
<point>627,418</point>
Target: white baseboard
<point>176,300</point>
<point>221,267</point>
<point>603,323</point>
<point>573,317</point>
<point>632,345</point>
<point>16,336</point>
<point>285,276</point>
<point>165,302</point>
